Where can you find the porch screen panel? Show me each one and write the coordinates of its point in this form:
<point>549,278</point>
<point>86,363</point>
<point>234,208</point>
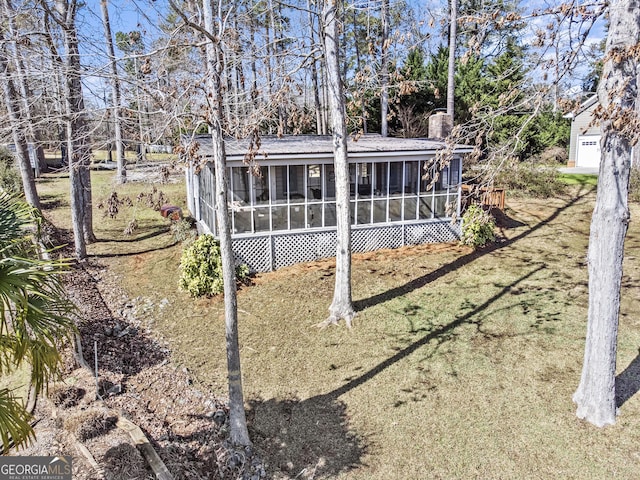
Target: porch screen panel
<point>279,184</point>
<point>297,190</point>
<point>240,200</point>
<point>411,183</point>
<point>441,207</point>
<point>396,172</point>
<point>395,179</point>
<point>296,183</point>
<point>314,195</point>
<point>380,191</point>
<point>206,180</point>
<point>280,217</point>
<point>364,192</point>
<point>261,186</point>
<point>280,188</point>
<point>329,208</point>
<point>426,188</point>
<point>261,213</point>
<point>330,214</point>
<point>329,182</point>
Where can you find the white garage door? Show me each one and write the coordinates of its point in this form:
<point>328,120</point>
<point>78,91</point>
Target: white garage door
<point>588,153</point>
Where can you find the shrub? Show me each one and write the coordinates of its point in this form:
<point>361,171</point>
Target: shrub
<point>528,179</point>
<point>201,267</point>
<point>10,180</point>
<point>184,231</point>
<point>477,227</point>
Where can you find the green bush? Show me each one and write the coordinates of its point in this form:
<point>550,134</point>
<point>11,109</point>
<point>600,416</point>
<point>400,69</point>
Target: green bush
<point>184,231</point>
<point>10,180</point>
<point>201,267</point>
<point>477,227</point>
<point>528,179</point>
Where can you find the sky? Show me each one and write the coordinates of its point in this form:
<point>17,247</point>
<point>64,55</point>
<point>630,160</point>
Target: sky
<point>143,15</point>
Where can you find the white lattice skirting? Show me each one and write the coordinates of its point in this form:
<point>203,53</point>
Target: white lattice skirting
<point>272,251</point>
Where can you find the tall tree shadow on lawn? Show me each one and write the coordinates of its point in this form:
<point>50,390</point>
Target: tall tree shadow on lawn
<point>628,382</point>
<point>132,242</point>
<point>154,233</point>
<point>305,438</point>
<point>311,438</point>
<point>460,262</point>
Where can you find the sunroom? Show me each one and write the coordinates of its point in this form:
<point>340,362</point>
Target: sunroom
<point>283,211</point>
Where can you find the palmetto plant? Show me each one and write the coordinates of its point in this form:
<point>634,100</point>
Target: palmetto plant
<point>34,313</point>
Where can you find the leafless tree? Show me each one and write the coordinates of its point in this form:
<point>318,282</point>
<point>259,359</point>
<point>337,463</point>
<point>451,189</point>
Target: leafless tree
<point>63,13</point>
<point>342,304</point>
<point>451,71</point>
<point>384,69</point>
<point>116,99</point>
<point>213,27</point>
<point>619,116</point>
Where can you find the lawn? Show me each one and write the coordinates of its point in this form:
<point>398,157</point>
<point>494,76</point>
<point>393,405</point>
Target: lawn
<point>460,364</point>
<point>579,179</point>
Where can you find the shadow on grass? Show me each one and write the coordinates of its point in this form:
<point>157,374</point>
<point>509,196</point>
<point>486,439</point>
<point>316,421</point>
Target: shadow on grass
<point>460,262</point>
<point>162,230</point>
<point>311,438</point>
<point>153,234</point>
<point>305,438</point>
<point>628,382</point>
<point>52,202</point>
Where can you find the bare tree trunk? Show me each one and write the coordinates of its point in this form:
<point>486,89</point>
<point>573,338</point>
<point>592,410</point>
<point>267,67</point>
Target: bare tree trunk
<point>325,95</point>
<point>142,151</point>
<point>121,175</point>
<point>79,154</point>
<point>270,55</point>
<point>618,96</point>
<point>314,71</point>
<point>342,305</point>
<point>384,67</point>
<point>38,161</point>
<point>77,128</point>
<point>239,433</point>
<point>254,68</point>
<point>356,43</point>
<point>11,102</point>
<point>451,71</point>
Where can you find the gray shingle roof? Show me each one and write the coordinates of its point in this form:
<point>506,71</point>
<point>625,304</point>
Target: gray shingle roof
<point>316,144</point>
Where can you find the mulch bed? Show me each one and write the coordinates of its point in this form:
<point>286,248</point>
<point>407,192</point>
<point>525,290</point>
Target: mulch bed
<point>138,381</point>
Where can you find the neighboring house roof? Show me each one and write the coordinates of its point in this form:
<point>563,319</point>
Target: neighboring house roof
<point>584,106</point>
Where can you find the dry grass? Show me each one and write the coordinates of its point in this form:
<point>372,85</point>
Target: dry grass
<point>460,364</point>
<point>91,423</point>
<point>66,396</point>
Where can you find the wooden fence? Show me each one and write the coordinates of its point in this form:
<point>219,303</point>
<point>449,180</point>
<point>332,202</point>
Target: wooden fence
<point>488,197</point>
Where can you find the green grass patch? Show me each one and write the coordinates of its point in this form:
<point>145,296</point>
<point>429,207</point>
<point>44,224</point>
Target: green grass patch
<point>461,364</point>
<point>579,179</point>
<point>18,381</point>
<point>152,231</point>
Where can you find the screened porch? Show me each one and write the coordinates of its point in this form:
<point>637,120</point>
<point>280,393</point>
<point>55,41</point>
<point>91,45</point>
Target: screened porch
<point>284,211</point>
<point>302,196</point>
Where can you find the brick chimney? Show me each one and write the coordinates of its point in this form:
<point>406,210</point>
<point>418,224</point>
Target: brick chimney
<point>440,125</point>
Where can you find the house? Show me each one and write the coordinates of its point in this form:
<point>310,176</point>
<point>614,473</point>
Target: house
<point>284,212</point>
<point>584,146</point>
